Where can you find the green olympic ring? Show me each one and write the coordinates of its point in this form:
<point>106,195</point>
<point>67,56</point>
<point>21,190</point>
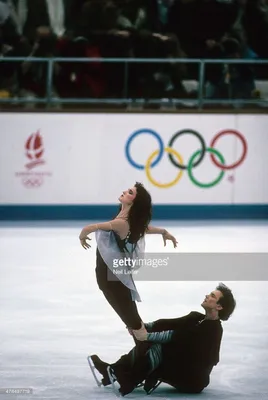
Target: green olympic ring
<point>191,163</point>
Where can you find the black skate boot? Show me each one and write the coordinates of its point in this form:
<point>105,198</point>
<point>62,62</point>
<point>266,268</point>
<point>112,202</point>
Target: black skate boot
<point>101,366</point>
<point>126,382</point>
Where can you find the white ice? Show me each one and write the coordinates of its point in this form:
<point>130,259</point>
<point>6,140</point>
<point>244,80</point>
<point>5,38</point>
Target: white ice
<point>53,315</point>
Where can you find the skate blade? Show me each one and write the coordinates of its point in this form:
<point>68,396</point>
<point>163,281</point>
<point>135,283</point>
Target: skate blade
<point>113,379</point>
<point>92,367</point>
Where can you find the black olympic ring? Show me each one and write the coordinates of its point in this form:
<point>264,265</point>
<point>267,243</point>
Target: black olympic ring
<point>202,150</point>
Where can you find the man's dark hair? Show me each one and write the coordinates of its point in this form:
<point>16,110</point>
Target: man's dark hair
<point>227,302</point>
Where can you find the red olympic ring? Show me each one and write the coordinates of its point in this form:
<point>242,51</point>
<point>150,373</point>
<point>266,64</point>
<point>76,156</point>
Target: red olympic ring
<point>245,149</point>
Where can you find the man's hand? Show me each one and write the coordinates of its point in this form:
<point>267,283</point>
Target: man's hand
<point>140,334</point>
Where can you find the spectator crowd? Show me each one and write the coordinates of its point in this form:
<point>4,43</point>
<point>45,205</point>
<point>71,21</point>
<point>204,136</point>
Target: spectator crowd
<point>211,29</point>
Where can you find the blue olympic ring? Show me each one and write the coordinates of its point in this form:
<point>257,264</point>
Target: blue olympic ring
<point>139,132</point>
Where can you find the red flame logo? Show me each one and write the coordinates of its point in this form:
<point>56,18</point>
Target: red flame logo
<point>34,149</point>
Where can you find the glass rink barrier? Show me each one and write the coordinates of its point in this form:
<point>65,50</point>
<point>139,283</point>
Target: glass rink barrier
<point>134,82</point>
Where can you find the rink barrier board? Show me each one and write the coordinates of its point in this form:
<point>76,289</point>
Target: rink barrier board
<point>107,212</point>
<point>56,161</point>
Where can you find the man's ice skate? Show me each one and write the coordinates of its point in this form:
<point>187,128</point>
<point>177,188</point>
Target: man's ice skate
<point>95,363</point>
<point>113,379</point>
<point>117,373</point>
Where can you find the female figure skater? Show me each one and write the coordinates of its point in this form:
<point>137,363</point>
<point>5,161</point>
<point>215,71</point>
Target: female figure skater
<point>123,235</point>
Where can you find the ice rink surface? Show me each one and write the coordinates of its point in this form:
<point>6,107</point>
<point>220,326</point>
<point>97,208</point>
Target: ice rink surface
<point>53,315</point>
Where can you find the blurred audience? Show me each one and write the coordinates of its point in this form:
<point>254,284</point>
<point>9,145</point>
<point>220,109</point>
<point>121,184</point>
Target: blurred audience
<point>211,29</point>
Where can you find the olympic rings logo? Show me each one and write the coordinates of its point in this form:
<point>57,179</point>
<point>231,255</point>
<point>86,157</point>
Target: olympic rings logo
<point>33,182</point>
<point>177,160</point>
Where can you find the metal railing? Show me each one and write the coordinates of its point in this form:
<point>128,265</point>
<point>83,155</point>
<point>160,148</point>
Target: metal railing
<point>199,101</point>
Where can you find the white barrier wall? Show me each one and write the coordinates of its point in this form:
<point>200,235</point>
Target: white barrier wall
<point>82,158</point>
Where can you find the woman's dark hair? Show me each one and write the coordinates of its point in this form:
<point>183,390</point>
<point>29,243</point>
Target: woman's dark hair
<point>140,213</point>
<point>227,302</point>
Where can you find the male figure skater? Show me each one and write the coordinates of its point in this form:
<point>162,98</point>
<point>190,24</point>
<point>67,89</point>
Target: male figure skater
<point>181,352</point>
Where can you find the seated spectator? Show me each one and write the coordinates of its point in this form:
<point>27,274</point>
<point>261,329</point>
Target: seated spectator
<point>43,23</point>
<point>4,86</point>
<point>81,80</point>
<point>12,44</point>
<point>98,24</point>
<point>145,22</point>
<point>41,18</point>
<point>132,29</point>
<point>234,80</point>
<point>197,24</point>
<point>255,23</point>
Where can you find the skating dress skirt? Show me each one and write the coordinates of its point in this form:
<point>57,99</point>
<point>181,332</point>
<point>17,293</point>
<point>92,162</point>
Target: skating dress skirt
<point>111,249</point>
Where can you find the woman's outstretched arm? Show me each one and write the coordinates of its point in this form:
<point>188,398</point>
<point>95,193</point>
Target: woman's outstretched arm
<point>117,225</point>
<point>166,235</point>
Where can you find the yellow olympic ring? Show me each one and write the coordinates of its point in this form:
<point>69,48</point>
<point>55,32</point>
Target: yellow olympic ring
<point>169,150</point>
